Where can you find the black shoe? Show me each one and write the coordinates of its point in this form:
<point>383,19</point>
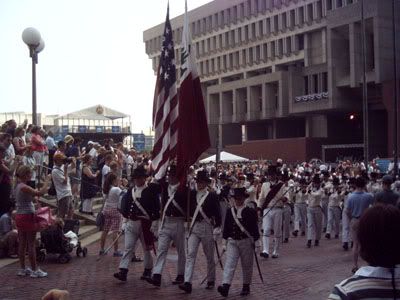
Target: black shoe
<point>146,274</point>
<point>136,259</point>
<point>309,244</point>
<point>345,246</point>
<point>210,285</point>
<point>186,286</point>
<point>316,243</point>
<point>245,290</point>
<point>224,290</point>
<point>328,236</point>
<point>286,240</point>
<point>295,233</point>
<point>154,280</point>
<point>303,234</point>
<point>178,280</point>
<point>121,275</point>
<point>336,236</point>
<point>264,254</point>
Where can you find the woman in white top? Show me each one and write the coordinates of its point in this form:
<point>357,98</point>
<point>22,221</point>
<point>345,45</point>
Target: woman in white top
<point>112,217</point>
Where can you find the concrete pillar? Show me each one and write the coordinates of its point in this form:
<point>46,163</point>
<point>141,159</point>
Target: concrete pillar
<point>355,53</point>
<point>324,45</point>
<point>307,49</point>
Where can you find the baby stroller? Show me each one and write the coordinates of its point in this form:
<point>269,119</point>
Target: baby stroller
<point>60,240</point>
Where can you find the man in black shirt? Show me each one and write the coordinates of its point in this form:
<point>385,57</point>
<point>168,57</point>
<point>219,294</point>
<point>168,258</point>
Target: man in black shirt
<point>387,195</point>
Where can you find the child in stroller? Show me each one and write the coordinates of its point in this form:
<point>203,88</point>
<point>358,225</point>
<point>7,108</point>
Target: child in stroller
<point>60,239</point>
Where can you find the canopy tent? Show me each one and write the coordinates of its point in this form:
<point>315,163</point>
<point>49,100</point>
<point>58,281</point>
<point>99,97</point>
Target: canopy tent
<point>225,157</point>
<point>98,112</point>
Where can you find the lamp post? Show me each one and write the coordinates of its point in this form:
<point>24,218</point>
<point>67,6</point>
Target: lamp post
<point>35,43</point>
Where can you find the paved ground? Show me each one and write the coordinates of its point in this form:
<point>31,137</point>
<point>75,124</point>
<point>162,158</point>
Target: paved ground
<point>299,273</point>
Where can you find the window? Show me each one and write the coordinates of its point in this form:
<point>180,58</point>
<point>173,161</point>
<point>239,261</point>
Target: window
<point>315,83</point>
<point>324,87</point>
<point>339,3</point>
<point>276,22</point>
<point>288,45</point>
<point>310,15</point>
<point>260,29</point>
<point>232,38</point>
<point>306,90</point>
<point>284,18</point>
<point>300,39</point>
<point>329,4</point>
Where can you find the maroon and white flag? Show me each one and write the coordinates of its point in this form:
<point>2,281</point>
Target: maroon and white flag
<point>193,137</point>
<point>165,106</point>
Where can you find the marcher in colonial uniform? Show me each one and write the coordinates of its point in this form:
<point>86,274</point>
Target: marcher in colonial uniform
<point>239,236</point>
<point>334,212</point>
<point>172,228</point>
<point>271,206</point>
<point>314,213</point>
<point>287,211</point>
<point>140,208</point>
<point>205,227</point>
<point>327,189</point>
<point>300,208</point>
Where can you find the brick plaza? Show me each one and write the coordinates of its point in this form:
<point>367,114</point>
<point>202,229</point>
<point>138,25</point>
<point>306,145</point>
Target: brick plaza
<point>299,273</point>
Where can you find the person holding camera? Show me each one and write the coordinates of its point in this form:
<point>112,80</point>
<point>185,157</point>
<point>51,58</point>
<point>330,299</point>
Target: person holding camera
<point>63,167</point>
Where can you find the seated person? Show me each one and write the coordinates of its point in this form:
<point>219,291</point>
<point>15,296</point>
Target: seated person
<point>378,235</point>
<point>8,235</point>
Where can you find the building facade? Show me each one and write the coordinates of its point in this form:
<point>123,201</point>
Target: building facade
<point>283,78</point>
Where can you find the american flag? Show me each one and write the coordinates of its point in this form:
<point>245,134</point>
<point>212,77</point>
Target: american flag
<point>165,106</point>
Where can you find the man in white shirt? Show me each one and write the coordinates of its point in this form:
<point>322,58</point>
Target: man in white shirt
<point>50,143</point>
<point>60,177</point>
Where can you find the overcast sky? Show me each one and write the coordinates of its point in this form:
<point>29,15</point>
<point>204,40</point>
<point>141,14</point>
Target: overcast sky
<point>94,54</point>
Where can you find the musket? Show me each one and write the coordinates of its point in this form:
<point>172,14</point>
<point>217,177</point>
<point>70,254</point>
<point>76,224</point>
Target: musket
<point>258,265</point>
<point>218,255</point>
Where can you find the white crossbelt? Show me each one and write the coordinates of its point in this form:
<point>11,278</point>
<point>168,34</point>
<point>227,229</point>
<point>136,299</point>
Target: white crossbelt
<point>238,223</point>
<point>137,203</point>
<point>199,209</point>
<point>176,204</point>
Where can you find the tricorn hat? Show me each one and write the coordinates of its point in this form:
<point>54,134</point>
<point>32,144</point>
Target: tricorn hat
<point>240,192</point>
<point>202,175</point>
<point>272,170</point>
<point>140,171</point>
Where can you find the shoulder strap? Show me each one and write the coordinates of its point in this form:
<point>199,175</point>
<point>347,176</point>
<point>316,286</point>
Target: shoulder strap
<point>198,209</point>
<point>239,224</point>
<point>137,203</point>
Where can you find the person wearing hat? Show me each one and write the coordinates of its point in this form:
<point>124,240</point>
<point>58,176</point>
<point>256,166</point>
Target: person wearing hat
<point>314,212</point>
<point>172,228</point>
<point>60,174</point>
<point>205,228</point>
<point>141,209</point>
<point>387,195</point>
<point>251,185</point>
<point>287,210</point>
<point>334,211</point>
<point>239,235</point>
<point>300,208</point>
<point>271,206</point>
<point>327,187</point>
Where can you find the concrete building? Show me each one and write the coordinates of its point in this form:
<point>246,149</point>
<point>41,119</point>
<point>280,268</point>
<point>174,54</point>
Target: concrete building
<point>281,78</point>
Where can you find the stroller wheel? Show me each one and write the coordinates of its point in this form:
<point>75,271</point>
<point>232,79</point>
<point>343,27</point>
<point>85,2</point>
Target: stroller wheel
<point>84,251</point>
<point>64,258</point>
<point>78,251</point>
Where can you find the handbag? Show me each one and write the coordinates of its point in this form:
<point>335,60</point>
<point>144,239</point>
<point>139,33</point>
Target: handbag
<point>43,218</point>
<point>100,219</point>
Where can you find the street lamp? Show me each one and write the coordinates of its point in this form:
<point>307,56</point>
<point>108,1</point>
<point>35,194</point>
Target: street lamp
<point>32,38</point>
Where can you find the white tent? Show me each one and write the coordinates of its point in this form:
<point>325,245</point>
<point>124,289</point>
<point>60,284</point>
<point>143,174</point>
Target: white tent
<point>225,157</point>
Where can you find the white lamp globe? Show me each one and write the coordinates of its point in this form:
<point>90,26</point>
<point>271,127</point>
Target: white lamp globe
<point>31,36</point>
<point>40,47</point>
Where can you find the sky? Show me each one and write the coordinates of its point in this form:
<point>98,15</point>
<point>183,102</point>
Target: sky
<point>94,54</point>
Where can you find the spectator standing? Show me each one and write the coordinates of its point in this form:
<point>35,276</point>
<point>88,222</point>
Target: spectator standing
<point>358,202</point>
<point>25,221</point>
<point>52,147</point>
<point>112,218</point>
<point>73,150</point>
<point>28,134</point>
<point>89,186</point>
<point>387,195</point>
<point>19,141</point>
<point>5,182</point>
<point>60,175</point>
<point>39,148</point>
<point>379,229</point>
